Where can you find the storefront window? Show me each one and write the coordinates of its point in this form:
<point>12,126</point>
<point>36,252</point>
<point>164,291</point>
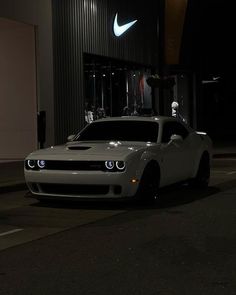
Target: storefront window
<point>114,88</point>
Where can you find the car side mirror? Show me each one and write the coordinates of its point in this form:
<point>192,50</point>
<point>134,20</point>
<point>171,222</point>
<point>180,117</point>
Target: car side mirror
<point>70,137</point>
<point>176,138</point>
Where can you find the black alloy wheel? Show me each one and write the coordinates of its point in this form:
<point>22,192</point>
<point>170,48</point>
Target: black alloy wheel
<point>203,175</point>
<point>149,184</point>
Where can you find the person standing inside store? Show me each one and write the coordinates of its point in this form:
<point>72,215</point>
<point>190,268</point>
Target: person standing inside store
<point>175,111</point>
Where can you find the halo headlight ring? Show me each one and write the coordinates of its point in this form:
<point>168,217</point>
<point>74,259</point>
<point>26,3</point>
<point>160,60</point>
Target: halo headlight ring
<point>115,166</point>
<point>110,164</point>
<point>41,164</point>
<point>35,164</point>
<point>31,164</point>
<point>120,165</point>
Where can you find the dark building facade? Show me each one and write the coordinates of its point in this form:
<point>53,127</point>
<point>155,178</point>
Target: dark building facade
<point>96,70</point>
<point>80,65</point>
<point>209,51</point>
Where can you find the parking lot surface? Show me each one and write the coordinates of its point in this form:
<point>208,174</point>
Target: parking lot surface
<point>183,244</point>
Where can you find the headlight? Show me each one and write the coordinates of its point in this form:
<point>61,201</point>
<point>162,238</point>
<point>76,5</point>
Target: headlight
<point>115,166</point>
<point>41,164</point>
<point>30,164</point>
<point>35,164</point>
<point>110,165</point>
<point>120,165</point>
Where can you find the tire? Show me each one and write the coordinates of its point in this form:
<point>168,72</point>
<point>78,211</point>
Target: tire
<point>203,174</point>
<point>148,189</point>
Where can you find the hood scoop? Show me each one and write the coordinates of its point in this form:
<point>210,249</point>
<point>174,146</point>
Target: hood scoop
<point>79,148</point>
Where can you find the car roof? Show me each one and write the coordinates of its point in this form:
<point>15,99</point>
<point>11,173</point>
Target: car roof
<point>138,118</point>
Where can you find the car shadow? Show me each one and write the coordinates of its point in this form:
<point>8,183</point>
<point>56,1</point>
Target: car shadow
<point>179,195</point>
<point>172,196</point>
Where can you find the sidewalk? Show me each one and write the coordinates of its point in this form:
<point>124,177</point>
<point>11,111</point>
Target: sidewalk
<point>11,175</point>
<point>224,149</point>
<point>12,172</point>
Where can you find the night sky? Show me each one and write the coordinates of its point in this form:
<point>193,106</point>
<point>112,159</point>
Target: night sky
<point>208,48</point>
<point>209,35</point>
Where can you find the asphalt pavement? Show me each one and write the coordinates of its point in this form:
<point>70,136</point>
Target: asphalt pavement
<point>11,175</point>
<point>184,244</point>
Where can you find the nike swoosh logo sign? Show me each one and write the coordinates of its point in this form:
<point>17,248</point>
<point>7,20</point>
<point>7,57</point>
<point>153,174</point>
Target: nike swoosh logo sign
<point>120,30</point>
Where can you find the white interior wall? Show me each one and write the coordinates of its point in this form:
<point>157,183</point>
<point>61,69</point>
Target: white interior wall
<point>18,100</point>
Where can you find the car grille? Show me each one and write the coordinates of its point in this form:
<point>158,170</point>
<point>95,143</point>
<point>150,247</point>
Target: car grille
<point>73,189</point>
<point>76,165</point>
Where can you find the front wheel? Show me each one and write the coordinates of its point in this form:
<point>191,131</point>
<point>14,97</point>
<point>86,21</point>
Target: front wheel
<point>149,184</point>
<point>203,174</point>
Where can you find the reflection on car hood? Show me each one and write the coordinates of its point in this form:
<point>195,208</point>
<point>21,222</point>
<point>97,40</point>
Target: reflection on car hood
<point>91,150</point>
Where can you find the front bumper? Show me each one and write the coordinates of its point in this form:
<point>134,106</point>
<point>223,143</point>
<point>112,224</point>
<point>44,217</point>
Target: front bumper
<point>81,184</point>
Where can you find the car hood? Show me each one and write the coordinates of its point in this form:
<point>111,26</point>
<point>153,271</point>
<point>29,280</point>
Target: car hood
<point>90,150</point>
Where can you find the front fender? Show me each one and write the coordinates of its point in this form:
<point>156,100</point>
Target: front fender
<point>205,147</point>
<point>140,160</point>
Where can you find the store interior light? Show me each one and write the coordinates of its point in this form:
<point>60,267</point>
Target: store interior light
<point>214,79</point>
<point>209,81</point>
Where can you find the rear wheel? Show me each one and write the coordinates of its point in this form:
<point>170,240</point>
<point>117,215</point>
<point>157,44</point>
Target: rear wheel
<point>149,184</point>
<point>203,174</point>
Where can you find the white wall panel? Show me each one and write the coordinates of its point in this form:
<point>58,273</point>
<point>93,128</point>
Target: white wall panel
<point>18,101</point>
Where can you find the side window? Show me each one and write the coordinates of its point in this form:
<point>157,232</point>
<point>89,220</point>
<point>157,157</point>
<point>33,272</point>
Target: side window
<point>181,130</point>
<point>171,128</point>
<point>167,131</point>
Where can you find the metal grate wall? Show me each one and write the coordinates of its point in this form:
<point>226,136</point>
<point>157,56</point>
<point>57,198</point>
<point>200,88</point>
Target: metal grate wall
<point>85,26</point>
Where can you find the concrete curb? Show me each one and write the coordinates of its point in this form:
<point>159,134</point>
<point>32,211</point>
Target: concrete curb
<point>11,186</point>
<point>225,155</point>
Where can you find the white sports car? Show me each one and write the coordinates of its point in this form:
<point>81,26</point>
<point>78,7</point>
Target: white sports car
<point>121,157</point>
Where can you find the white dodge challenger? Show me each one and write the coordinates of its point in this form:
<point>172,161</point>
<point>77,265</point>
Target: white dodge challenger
<point>121,157</point>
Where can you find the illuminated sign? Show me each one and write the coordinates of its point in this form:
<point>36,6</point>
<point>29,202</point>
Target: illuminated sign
<point>120,30</point>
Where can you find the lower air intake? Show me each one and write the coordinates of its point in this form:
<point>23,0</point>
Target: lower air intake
<point>73,189</point>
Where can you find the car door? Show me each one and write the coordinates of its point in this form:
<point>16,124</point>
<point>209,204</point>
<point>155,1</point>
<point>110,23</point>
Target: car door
<point>175,154</point>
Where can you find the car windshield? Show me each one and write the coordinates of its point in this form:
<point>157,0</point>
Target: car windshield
<point>120,130</point>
